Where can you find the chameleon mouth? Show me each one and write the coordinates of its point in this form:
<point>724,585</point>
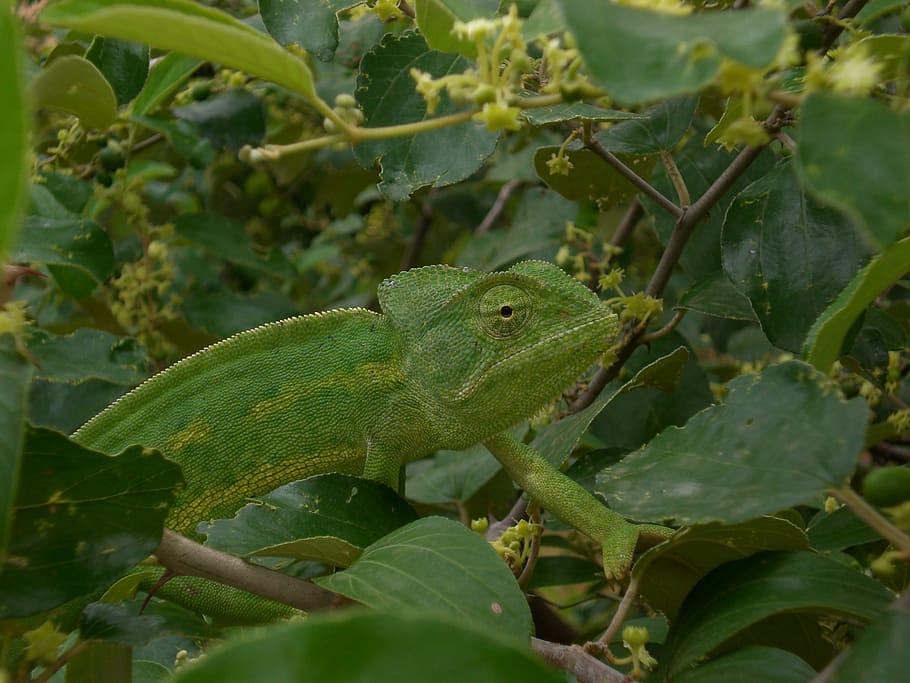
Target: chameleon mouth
<point>552,340</point>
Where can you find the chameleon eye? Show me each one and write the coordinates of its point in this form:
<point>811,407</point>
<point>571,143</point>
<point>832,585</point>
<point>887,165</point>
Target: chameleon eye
<point>503,310</point>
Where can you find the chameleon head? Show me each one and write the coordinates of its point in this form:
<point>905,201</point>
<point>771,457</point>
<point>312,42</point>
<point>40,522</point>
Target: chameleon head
<point>494,348</point>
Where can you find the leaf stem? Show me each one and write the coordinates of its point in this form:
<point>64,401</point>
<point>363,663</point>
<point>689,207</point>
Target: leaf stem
<point>594,145</point>
<point>619,616</point>
<point>679,184</point>
<point>872,517</point>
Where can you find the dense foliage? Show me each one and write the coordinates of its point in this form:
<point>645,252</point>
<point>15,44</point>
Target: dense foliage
<point>733,177</point>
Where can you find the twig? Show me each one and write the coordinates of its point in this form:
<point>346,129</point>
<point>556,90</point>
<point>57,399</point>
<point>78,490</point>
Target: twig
<point>868,514</point>
<point>594,145</point>
<point>649,337</point>
<point>505,194</point>
<point>573,659</point>
<point>406,9</point>
<point>629,220</point>
<point>409,260</point>
<point>189,558</point>
<point>679,184</point>
<point>619,615</point>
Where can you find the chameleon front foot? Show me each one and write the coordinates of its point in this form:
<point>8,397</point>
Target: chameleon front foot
<point>619,548</point>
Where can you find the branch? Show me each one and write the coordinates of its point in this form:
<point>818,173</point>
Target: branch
<point>418,238</point>
<point>630,219</point>
<point>576,661</point>
<point>505,194</point>
<point>189,558</point>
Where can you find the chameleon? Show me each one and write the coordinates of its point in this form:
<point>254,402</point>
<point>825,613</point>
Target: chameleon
<point>456,358</point>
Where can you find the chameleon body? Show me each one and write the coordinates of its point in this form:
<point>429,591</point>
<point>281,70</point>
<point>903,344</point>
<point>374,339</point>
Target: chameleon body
<point>456,358</point>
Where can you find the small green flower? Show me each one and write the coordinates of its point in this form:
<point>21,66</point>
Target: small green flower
<point>559,164</point>
<point>498,116</point>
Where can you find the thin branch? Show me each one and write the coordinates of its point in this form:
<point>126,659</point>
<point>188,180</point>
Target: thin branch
<point>189,558</point>
<point>679,183</point>
<point>872,517</point>
<point>649,337</point>
<point>594,145</point>
<point>418,238</point>
<point>406,9</point>
<point>61,661</point>
<point>505,194</point>
<point>573,659</point>
<point>630,219</point>
<point>619,615</point>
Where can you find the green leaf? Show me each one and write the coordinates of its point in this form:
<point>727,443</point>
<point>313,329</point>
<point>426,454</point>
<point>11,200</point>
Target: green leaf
<point>670,570</point>
<point>715,295</point>
<point>564,570</point>
<point>545,20</point>
<point>222,236</point>
<point>381,648</point>
<point>188,28</point>
<point>742,593</point>
<point>575,111</point>
<point>756,664</point>
<point>225,313</point>
<point>386,93</point>
<point>437,566</point>
<point>329,518</point>
<point>435,18</point>
<point>778,439</point>
<point>313,25</point>
<point>77,251</point>
<point>536,233</point>
<point>15,372</point>
<point>123,64</point>
<point>788,254</point>
<point>658,130</point>
<point>87,354</point>
<point>451,476</point>
<point>825,339</point>
<point>82,519</point>
<point>127,623</point>
<point>66,407</point>
<point>13,133</point>
<point>673,54</point>
<point>183,135</point>
<point>854,154</point>
<point>880,653</point>
<point>839,530</point>
<point>232,119</point>
<point>590,176</point>
<point>555,442</point>
<point>164,80</point>
<point>76,86</point>
<point>701,166</point>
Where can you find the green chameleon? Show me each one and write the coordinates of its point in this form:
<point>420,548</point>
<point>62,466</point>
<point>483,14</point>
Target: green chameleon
<point>456,358</point>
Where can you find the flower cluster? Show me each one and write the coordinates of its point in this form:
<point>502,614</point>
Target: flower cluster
<point>514,546</point>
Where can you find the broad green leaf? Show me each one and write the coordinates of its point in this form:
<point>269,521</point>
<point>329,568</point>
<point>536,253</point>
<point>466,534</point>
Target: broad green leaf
<point>700,166</point>
<point>232,119</point>
<point>535,233</point>
<point>564,570</point>
<point>825,339</point>
<point>777,440</point>
<point>545,20</point>
<point>756,664</point>
<point>87,354</point>
<point>222,236</point>
<point>673,54</point>
<point>715,295</point>
<point>76,86</point>
<point>880,653</point>
<point>839,530</point>
<point>184,136</point>
<point>127,623</point>
<point>435,18</point>
<point>437,566</point>
<point>15,372</point>
<point>330,518</point>
<point>634,418</point>
<point>13,132</point>
<point>386,93</point>
<point>556,441</point>
<point>739,594</point>
<point>789,255</point>
<point>382,648</point>
<point>590,176</point>
<point>123,64</point>
<point>575,111</point>
<point>66,407</point>
<point>659,130</point>
<point>225,313</point>
<point>313,25</point>
<point>451,475</point>
<point>164,80</point>
<point>669,571</point>
<point>82,519</point>
<point>854,154</point>
<point>188,28</point>
<point>891,52</point>
<point>878,8</point>
<point>71,193</point>
<point>77,251</point>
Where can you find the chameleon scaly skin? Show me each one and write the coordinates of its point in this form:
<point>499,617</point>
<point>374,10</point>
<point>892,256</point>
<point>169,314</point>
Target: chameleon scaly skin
<point>456,358</point>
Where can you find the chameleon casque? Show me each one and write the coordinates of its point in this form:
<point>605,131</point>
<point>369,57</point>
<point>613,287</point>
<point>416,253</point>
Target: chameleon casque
<point>456,358</point>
